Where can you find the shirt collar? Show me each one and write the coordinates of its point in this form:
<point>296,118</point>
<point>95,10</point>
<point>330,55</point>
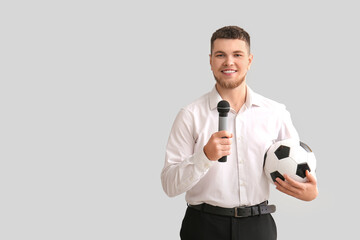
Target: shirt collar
<point>252,99</point>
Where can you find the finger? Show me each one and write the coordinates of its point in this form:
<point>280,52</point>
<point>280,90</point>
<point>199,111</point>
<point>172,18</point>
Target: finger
<point>284,190</point>
<point>225,141</point>
<point>224,134</point>
<point>225,148</point>
<point>226,153</point>
<point>284,186</point>
<point>292,182</point>
<point>281,183</point>
<point>310,177</point>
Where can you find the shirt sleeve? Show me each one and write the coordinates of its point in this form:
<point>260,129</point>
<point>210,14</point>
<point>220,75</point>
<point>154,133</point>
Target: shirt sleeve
<point>183,167</point>
<point>287,129</point>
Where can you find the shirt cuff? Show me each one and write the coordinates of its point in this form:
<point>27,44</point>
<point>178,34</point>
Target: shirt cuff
<point>201,161</point>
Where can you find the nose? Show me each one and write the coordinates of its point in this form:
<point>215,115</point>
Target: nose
<point>228,61</point>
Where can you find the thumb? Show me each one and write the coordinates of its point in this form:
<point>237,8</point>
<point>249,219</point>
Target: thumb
<point>310,177</point>
<point>224,134</point>
<point>229,134</point>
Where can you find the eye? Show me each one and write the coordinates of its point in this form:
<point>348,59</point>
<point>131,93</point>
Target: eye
<point>238,55</point>
<point>219,55</point>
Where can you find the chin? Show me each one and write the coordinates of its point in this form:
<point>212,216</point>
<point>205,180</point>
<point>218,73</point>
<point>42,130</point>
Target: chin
<point>228,84</point>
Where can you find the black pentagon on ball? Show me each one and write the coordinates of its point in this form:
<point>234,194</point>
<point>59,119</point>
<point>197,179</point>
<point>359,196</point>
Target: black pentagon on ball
<point>275,175</point>
<point>282,152</point>
<point>301,169</point>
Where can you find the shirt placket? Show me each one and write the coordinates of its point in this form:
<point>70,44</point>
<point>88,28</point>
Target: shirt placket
<point>241,158</point>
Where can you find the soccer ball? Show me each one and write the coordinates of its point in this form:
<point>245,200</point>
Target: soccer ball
<point>290,157</point>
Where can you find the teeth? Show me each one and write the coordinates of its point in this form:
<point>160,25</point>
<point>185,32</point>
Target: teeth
<point>229,71</point>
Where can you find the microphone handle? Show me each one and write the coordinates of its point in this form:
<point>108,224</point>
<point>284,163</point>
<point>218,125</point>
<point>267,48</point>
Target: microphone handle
<point>222,126</point>
<point>223,159</point>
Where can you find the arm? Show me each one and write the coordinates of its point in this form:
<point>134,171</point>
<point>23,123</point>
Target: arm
<point>307,191</point>
<point>183,167</point>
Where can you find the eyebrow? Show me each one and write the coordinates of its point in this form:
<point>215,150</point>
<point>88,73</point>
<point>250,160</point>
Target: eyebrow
<point>237,51</point>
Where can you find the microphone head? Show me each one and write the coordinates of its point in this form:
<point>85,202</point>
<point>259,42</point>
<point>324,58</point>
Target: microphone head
<point>223,108</point>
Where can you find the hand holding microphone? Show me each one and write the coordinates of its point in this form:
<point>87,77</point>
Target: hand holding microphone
<point>223,108</point>
<point>219,144</point>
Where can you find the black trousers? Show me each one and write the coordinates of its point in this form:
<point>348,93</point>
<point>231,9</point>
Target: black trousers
<point>198,225</point>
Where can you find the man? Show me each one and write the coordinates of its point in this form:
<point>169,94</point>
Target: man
<point>228,200</point>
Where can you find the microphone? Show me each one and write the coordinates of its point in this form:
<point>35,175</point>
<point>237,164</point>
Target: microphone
<point>223,108</point>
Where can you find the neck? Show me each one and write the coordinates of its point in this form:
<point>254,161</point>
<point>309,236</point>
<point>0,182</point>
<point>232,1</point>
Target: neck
<point>236,96</point>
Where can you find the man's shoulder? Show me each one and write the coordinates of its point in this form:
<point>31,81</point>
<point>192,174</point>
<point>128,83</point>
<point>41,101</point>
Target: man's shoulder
<point>268,103</point>
<point>200,103</point>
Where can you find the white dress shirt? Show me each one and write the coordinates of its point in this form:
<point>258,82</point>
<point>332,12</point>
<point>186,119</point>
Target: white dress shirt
<point>241,180</point>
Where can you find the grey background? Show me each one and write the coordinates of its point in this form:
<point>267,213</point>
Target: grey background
<point>89,91</point>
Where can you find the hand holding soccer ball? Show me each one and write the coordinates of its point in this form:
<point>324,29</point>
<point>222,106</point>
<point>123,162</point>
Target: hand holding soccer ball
<point>304,191</point>
<point>290,165</point>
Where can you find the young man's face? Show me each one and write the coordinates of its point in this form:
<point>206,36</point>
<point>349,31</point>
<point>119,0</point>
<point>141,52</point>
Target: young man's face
<point>230,61</point>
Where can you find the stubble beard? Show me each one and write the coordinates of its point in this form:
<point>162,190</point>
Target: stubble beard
<point>228,84</point>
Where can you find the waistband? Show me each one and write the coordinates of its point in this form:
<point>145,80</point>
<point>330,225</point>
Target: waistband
<point>238,212</point>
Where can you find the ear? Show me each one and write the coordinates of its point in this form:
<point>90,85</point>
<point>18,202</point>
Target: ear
<point>251,57</point>
<point>210,58</point>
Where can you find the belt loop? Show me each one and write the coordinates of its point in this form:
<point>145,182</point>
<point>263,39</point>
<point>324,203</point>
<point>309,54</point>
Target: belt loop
<point>259,207</point>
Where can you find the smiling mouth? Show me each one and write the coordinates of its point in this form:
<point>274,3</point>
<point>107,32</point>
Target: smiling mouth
<point>228,71</point>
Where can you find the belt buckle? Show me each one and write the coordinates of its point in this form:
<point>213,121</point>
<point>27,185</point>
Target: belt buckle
<point>237,211</point>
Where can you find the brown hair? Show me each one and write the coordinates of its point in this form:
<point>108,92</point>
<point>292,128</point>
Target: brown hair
<point>231,32</point>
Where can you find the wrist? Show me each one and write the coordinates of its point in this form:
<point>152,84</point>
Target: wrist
<point>207,156</point>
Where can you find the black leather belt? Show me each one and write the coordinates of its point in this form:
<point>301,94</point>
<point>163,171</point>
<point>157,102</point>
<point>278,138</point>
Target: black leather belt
<point>262,208</point>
